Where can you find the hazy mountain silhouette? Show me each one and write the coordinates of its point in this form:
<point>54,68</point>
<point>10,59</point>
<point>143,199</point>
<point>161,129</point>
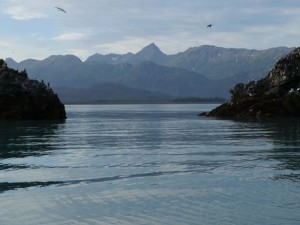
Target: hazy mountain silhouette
<point>205,71</point>
<point>214,62</point>
<point>219,63</point>
<point>109,92</point>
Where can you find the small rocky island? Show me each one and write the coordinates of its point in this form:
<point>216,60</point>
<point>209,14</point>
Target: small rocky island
<point>24,99</point>
<point>276,95</point>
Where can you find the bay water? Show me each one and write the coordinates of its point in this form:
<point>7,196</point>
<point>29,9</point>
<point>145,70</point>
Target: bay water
<point>149,164</point>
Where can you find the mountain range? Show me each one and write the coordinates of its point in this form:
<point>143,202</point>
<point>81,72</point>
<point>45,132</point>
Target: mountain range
<point>205,71</point>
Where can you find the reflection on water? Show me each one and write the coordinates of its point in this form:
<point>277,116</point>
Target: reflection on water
<point>21,139</point>
<point>28,138</point>
<point>282,133</point>
<point>149,164</point>
<point>286,138</point>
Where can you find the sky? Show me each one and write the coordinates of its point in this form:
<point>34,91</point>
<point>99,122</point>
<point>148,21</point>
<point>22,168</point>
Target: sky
<point>36,29</point>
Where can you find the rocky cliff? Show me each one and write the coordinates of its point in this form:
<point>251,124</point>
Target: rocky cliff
<point>278,94</point>
<point>24,99</point>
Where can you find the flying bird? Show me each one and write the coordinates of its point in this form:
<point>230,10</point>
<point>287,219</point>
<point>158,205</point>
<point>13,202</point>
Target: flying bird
<point>209,26</point>
<point>60,9</point>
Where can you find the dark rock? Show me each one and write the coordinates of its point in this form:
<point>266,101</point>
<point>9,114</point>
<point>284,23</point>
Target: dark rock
<point>202,114</point>
<point>278,94</point>
<point>24,99</point>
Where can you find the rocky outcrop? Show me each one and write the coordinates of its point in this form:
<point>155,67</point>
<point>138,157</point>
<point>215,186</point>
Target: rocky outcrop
<point>24,99</point>
<point>278,94</point>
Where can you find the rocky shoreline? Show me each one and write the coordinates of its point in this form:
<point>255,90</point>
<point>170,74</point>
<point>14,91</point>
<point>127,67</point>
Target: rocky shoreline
<point>276,95</point>
<point>22,98</point>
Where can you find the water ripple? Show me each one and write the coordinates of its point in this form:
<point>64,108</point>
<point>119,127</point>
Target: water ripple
<point>149,164</point>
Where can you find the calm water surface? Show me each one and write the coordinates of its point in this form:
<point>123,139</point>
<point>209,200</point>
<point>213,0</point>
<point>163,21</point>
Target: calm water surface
<point>149,164</point>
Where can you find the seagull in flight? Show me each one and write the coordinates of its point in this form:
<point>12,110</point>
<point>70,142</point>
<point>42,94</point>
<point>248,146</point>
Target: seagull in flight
<point>61,9</point>
<point>209,26</point>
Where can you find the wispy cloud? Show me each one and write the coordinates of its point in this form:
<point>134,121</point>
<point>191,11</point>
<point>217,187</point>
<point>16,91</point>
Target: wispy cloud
<point>21,10</point>
<point>4,44</point>
<point>20,13</point>
<point>119,26</point>
<point>30,9</point>
<point>71,37</point>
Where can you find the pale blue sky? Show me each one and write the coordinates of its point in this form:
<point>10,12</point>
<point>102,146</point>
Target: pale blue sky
<point>36,29</point>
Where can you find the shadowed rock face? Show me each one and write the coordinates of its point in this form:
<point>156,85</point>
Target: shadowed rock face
<point>278,94</point>
<point>25,99</point>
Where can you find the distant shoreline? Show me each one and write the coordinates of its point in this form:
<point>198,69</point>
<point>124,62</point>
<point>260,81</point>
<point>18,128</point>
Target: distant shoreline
<point>138,103</point>
<point>184,100</point>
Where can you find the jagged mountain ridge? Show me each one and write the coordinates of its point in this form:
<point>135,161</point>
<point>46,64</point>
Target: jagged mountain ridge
<point>145,75</point>
<point>220,63</point>
<point>149,53</point>
<point>150,69</point>
<point>214,62</point>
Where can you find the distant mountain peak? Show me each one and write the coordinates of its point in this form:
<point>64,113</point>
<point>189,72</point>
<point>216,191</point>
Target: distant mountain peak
<point>151,48</point>
<point>10,59</point>
<point>153,45</point>
<point>150,53</point>
<point>11,62</point>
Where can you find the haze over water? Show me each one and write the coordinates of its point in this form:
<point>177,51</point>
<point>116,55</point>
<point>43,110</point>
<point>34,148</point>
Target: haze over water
<point>149,164</point>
